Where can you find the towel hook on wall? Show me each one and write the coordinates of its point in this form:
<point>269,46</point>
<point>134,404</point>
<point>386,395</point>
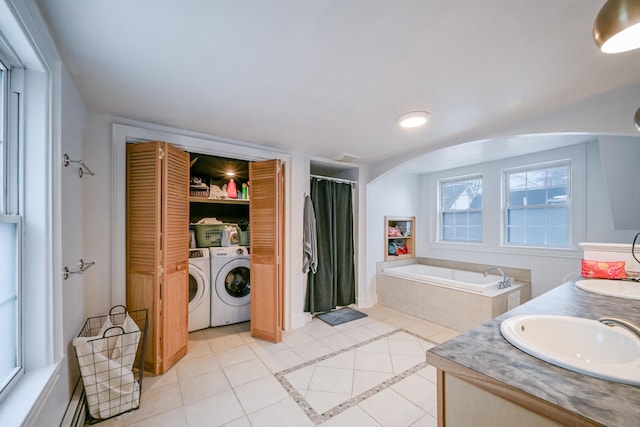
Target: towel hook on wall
<point>82,168</point>
<point>81,269</point>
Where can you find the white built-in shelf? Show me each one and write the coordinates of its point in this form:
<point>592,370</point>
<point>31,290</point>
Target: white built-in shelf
<point>407,225</point>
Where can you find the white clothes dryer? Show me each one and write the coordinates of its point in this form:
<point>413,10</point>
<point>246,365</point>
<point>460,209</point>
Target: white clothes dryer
<point>230,285</point>
<point>199,289</point>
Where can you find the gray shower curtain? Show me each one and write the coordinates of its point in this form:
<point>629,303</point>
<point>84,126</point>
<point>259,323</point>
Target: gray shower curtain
<point>334,282</point>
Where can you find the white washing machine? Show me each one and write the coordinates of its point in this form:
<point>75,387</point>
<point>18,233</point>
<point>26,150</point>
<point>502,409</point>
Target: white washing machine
<point>230,287</point>
<point>199,289</point>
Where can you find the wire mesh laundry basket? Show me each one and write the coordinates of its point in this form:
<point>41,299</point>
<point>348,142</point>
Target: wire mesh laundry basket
<point>110,351</point>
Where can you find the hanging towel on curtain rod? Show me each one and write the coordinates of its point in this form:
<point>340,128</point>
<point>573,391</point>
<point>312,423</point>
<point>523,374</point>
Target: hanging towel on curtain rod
<point>310,245</point>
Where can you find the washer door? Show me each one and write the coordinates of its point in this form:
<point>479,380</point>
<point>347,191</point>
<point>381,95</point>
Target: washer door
<point>232,282</point>
<point>197,287</point>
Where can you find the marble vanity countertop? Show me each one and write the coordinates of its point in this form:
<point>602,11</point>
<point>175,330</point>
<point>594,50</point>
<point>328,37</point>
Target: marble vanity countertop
<point>485,351</point>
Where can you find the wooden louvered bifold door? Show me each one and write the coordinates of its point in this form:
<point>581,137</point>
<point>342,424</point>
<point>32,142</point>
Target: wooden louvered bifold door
<point>267,248</point>
<point>157,247</point>
<point>143,240</point>
<point>175,251</point>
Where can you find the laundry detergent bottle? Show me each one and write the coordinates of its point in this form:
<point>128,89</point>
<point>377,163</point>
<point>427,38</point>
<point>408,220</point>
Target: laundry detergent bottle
<point>232,192</point>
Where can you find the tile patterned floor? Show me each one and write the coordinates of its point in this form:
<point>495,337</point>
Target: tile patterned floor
<point>368,372</point>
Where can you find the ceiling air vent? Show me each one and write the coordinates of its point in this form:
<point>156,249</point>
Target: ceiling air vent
<point>347,158</point>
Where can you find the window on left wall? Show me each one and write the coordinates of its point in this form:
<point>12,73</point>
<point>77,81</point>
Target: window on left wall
<point>11,358</point>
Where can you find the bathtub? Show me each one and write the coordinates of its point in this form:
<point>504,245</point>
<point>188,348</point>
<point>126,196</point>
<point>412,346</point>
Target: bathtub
<point>456,299</point>
<point>446,277</point>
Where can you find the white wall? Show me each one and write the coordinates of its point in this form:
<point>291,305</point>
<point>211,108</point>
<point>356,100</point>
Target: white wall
<point>599,213</point>
<point>394,194</point>
<point>98,206</point>
<point>620,158</point>
<point>73,188</point>
<point>295,288</point>
<point>73,116</point>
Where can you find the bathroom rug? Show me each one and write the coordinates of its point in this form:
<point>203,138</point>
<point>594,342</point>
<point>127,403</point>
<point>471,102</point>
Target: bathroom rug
<point>340,316</point>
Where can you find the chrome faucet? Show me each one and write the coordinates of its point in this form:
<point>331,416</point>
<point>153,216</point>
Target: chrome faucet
<point>613,321</point>
<point>504,283</point>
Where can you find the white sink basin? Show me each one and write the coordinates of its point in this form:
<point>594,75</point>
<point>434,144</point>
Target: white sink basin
<point>613,288</point>
<point>580,345</point>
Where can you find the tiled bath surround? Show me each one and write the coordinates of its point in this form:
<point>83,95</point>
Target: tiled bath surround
<point>452,308</point>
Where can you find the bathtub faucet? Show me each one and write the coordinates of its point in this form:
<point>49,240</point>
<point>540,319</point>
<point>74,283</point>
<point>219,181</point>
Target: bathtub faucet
<point>502,284</point>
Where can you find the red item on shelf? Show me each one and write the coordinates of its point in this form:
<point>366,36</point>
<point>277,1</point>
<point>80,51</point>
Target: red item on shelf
<point>232,192</point>
<point>603,269</point>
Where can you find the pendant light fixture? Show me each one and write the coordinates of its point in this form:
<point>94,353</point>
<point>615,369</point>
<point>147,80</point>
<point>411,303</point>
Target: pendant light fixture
<point>617,26</point>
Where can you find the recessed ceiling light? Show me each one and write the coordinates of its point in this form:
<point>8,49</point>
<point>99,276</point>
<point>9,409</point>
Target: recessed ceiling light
<point>414,119</point>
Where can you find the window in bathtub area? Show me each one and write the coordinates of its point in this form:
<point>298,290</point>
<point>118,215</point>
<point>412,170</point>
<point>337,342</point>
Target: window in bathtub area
<point>461,209</point>
<point>537,205</point>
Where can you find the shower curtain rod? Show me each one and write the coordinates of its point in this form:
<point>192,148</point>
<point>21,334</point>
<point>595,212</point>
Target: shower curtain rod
<point>328,178</point>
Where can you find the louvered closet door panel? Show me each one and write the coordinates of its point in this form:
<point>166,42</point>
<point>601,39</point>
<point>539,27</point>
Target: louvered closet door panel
<point>177,207</point>
<point>143,198</point>
<point>176,255</point>
<point>157,247</point>
<point>266,213</point>
<point>143,240</point>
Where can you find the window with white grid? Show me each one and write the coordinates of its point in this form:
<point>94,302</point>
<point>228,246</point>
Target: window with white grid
<point>537,205</point>
<point>11,361</point>
<point>461,209</point>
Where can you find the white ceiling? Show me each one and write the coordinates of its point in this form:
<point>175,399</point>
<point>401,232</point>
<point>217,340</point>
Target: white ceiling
<point>328,77</point>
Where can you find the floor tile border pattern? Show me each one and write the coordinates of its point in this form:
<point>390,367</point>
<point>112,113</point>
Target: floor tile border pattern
<point>320,418</point>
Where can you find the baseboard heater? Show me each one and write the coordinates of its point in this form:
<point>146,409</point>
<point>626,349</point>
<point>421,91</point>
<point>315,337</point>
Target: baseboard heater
<point>76,410</point>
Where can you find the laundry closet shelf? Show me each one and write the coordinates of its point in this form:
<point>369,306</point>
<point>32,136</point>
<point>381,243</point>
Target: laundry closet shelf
<point>193,199</point>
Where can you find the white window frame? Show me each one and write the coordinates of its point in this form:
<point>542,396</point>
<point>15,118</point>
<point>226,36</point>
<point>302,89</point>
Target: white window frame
<point>568,204</point>
<point>11,116</point>
<point>442,211</point>
<point>7,383</point>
